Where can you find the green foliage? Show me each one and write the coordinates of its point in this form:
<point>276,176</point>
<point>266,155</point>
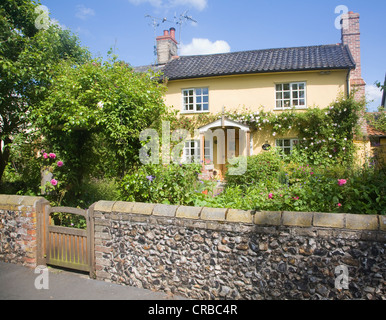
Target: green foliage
<point>171,184</point>
<point>262,167</point>
<point>377,119</point>
<point>301,187</point>
<point>93,115</point>
<point>28,57</point>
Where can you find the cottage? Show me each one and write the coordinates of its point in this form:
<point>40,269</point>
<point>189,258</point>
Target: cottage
<point>275,79</point>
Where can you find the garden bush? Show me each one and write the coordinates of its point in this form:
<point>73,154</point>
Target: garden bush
<point>303,187</point>
<point>262,167</point>
<point>167,184</point>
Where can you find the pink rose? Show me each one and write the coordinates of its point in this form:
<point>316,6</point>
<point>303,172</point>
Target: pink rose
<point>52,155</point>
<point>342,182</point>
<point>45,155</point>
<point>270,196</point>
<point>339,205</point>
<point>60,164</point>
<point>54,182</point>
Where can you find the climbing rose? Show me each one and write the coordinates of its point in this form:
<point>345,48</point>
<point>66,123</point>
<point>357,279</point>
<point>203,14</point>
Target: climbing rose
<point>341,182</point>
<point>339,205</point>
<point>52,155</point>
<point>270,196</point>
<point>54,182</point>
<point>60,164</point>
<point>45,155</point>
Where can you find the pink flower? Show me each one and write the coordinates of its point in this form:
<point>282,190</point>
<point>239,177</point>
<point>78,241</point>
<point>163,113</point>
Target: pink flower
<point>270,196</point>
<point>342,182</point>
<point>54,182</point>
<point>52,155</point>
<point>60,164</point>
<point>311,173</point>
<point>339,205</point>
<point>45,155</point>
<point>296,198</point>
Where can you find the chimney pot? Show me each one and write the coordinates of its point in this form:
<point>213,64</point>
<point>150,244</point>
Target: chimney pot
<point>173,33</point>
<point>166,33</point>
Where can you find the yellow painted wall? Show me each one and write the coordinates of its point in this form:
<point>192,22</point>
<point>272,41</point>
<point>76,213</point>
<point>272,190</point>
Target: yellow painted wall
<point>254,91</point>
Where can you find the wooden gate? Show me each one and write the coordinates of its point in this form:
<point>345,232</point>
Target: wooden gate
<point>69,247</point>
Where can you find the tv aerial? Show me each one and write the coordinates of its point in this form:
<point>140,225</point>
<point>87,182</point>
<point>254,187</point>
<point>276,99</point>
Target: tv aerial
<point>184,18</point>
<point>155,23</point>
<point>178,21</point>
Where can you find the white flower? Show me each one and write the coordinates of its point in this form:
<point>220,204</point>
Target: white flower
<point>330,156</point>
<point>306,148</point>
<point>289,127</point>
<point>274,134</point>
<point>100,105</point>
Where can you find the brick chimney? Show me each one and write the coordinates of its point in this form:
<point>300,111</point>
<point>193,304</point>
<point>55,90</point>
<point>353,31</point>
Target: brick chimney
<point>351,38</point>
<point>166,46</point>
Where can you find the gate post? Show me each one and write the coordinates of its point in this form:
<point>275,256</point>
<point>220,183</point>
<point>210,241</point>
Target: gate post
<point>90,239</point>
<point>41,209</point>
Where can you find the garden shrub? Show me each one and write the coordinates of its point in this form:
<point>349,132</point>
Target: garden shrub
<point>261,167</point>
<point>167,184</point>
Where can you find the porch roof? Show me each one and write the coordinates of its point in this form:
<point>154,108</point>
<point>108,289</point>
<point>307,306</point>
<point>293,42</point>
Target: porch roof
<point>222,123</point>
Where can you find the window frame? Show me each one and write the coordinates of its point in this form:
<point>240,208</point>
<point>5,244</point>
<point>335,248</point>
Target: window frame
<point>195,96</point>
<point>291,98</point>
<point>187,156</point>
<point>290,147</point>
<point>208,151</point>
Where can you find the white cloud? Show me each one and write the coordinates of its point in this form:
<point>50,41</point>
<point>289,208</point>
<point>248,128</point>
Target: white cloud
<point>204,46</point>
<point>198,4</point>
<point>374,95</point>
<point>83,13</point>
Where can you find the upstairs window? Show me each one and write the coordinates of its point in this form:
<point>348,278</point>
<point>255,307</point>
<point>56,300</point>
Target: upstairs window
<point>291,95</point>
<point>195,100</point>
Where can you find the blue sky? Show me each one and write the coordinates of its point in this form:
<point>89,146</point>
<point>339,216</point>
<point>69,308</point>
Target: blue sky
<point>223,26</point>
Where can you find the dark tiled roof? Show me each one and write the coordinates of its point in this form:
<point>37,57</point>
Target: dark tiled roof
<point>322,57</point>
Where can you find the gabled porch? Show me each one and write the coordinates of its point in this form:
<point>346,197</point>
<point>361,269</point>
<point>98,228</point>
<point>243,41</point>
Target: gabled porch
<point>220,141</point>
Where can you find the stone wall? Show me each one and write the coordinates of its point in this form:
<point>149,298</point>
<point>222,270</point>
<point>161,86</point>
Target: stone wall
<point>204,253</point>
<point>18,229</point>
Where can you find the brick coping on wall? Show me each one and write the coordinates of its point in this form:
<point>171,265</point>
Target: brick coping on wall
<point>266,218</point>
<point>19,203</point>
<point>269,218</point>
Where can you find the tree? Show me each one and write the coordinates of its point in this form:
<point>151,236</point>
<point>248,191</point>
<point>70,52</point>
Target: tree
<point>28,57</point>
<point>94,113</point>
